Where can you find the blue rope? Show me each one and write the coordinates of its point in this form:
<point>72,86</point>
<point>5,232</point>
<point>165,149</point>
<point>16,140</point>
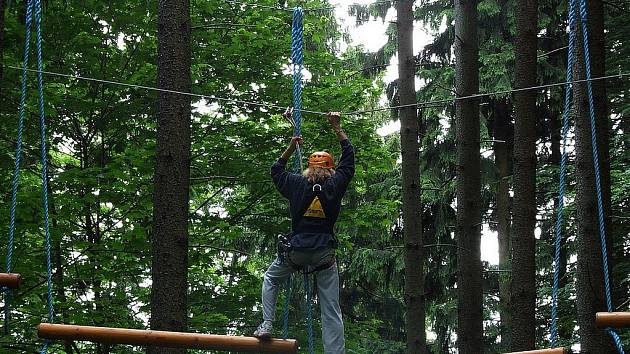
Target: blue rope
<point>297,60</point>
<point>42,127</point>
<point>598,187</point>
<point>285,315</point>
<point>565,127</point>
<point>563,162</point>
<point>18,157</point>
<point>309,314</point>
<point>32,6</point>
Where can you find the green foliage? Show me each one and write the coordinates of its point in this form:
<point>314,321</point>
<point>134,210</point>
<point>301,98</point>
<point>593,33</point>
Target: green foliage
<point>102,141</point>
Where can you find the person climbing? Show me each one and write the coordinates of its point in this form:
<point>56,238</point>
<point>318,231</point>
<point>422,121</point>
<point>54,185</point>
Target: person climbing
<point>314,201</point>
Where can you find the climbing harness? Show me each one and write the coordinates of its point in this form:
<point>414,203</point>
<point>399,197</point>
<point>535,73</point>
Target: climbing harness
<point>565,128</point>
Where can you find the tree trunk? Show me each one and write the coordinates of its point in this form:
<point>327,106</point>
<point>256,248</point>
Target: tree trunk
<point>411,208</point>
<point>172,172</point>
<point>503,132</point>
<point>523,296</point>
<point>590,291</point>
<point>469,280</point>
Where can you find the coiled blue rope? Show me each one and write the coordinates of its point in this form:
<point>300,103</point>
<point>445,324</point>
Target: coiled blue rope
<point>18,157</point>
<point>600,215</point>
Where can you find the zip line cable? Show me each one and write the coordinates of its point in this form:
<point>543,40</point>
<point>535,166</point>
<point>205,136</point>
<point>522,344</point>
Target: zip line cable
<point>288,9</point>
<point>282,108</point>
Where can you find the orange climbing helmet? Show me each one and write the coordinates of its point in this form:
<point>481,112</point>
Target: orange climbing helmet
<point>321,159</point>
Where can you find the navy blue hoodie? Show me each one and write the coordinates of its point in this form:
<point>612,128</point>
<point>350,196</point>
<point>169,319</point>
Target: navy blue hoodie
<point>314,232</point>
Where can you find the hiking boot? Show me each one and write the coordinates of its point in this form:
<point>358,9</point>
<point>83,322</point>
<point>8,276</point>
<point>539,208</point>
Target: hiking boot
<point>264,330</point>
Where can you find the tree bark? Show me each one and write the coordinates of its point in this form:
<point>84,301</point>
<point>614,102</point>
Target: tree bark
<point>503,132</point>
<point>469,279</point>
<point>411,208</point>
<point>523,295</point>
<point>172,172</point>
<point>590,291</point>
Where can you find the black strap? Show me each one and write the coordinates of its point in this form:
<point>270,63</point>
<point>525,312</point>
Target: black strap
<point>319,268</point>
<point>324,266</point>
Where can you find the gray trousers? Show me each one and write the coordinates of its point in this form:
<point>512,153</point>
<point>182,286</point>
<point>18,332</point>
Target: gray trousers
<point>327,292</point>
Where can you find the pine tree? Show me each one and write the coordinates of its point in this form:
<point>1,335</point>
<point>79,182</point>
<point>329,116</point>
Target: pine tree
<point>172,171</point>
<point>523,290</point>
<point>411,192</point>
<point>469,283</point>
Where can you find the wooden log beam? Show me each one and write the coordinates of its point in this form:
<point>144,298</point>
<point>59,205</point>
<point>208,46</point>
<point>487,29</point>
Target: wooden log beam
<point>10,280</point>
<point>544,351</point>
<point>612,319</point>
<point>166,339</point>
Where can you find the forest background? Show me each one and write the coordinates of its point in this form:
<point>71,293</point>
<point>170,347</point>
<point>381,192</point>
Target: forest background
<point>102,143</point>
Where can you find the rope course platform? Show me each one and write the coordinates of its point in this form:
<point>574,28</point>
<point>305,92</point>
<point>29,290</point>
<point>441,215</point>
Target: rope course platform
<point>612,319</point>
<point>166,339</point>
<point>10,280</point>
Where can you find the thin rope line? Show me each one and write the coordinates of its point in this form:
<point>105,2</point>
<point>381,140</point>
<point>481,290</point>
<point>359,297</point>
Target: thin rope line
<point>323,8</point>
<point>258,5</point>
<point>479,95</point>
<point>281,108</point>
<point>149,88</point>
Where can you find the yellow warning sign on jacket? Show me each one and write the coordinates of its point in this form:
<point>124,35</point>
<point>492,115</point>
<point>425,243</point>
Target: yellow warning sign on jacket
<point>315,210</point>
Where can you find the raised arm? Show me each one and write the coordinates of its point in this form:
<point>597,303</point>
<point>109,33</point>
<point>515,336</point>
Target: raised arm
<point>345,168</point>
<point>283,179</point>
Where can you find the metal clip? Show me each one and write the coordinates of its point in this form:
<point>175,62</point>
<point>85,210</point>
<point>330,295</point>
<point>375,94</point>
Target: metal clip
<point>317,185</point>
<point>288,115</point>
